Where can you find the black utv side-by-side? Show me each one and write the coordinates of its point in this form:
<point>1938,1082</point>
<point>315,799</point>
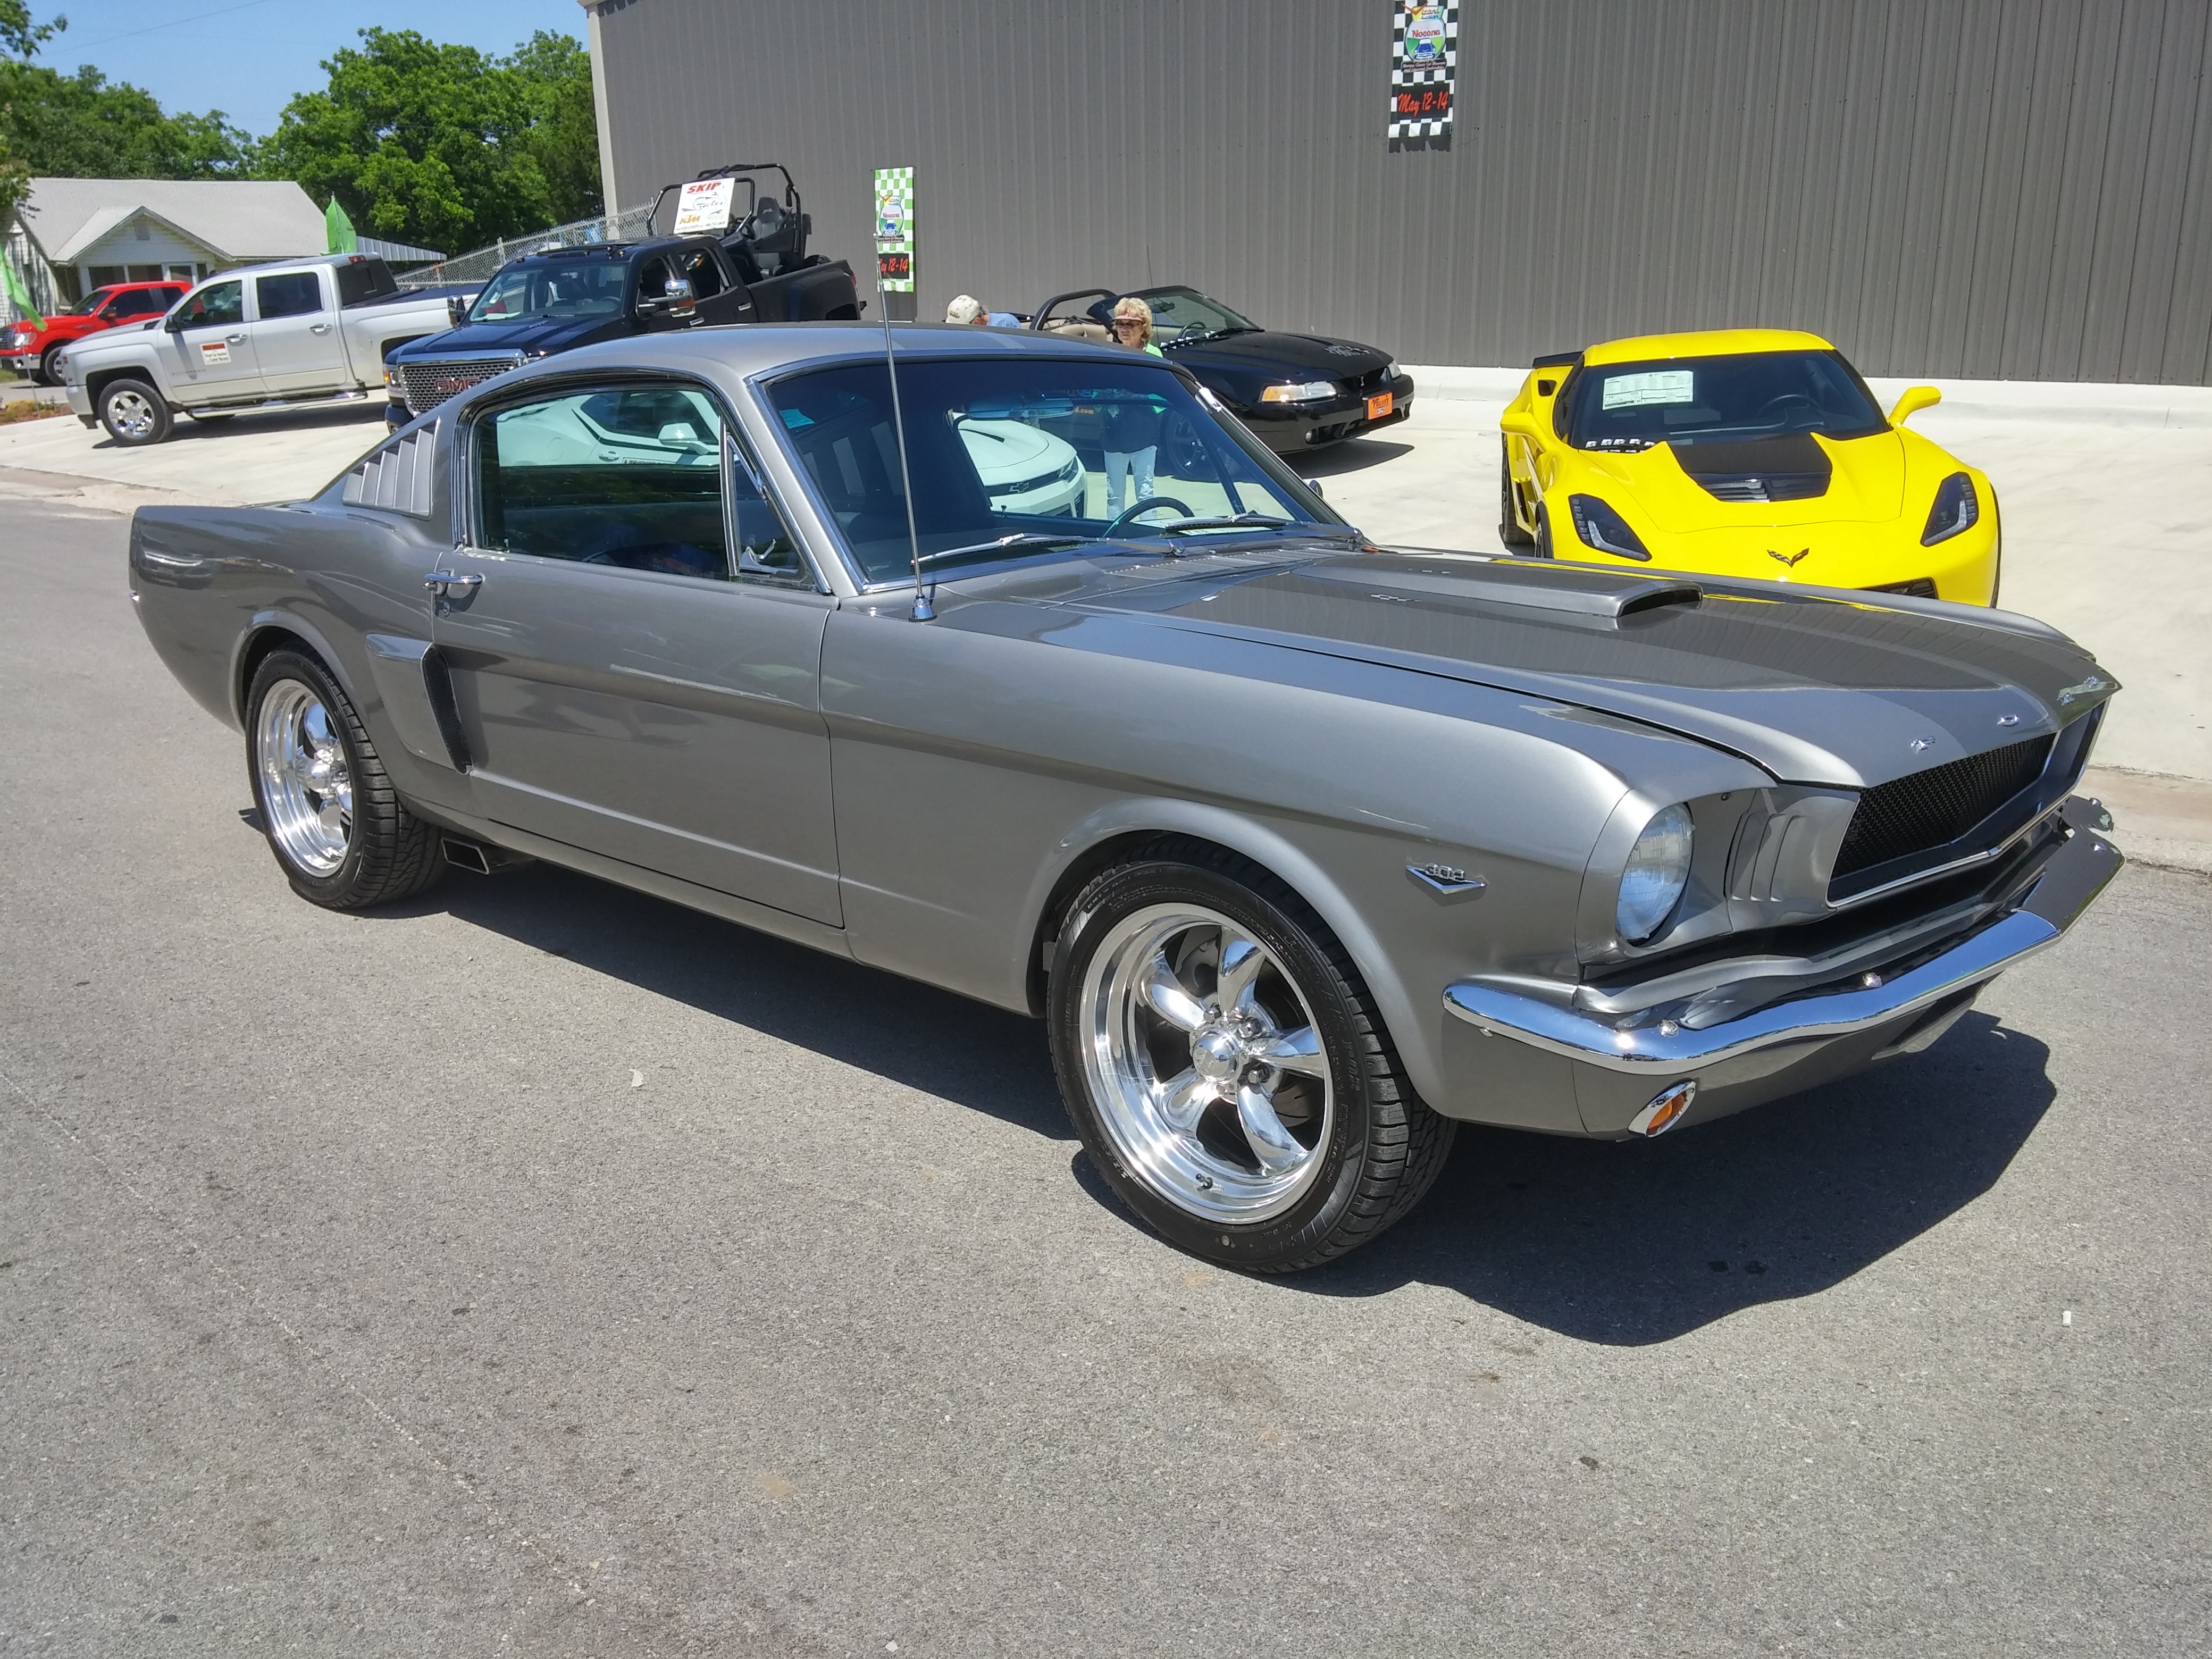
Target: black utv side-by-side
<point>560,298</point>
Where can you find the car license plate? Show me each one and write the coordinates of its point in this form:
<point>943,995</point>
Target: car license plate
<point>1379,405</point>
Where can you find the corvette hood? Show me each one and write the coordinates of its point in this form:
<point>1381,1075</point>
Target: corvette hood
<point>1817,687</point>
<point>1670,482</point>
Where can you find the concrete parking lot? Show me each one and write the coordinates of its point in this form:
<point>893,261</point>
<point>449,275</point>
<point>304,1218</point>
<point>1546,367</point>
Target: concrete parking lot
<point>539,1268</point>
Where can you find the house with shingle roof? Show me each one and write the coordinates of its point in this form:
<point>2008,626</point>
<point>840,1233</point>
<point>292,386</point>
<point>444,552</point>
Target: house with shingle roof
<point>73,235</point>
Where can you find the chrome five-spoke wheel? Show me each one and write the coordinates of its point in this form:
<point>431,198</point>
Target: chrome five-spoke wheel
<point>1204,1064</point>
<point>1226,1068</point>
<point>306,783</point>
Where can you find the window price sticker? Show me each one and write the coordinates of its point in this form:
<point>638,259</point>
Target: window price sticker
<point>702,208</point>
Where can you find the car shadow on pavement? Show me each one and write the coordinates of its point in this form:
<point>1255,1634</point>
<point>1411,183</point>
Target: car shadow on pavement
<point>1354,455</point>
<point>249,422</point>
<point>946,1045</point>
<point>1632,1243</point>
<point>1610,1242</point>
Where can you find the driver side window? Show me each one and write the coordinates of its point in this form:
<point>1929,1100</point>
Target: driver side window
<point>219,305</point>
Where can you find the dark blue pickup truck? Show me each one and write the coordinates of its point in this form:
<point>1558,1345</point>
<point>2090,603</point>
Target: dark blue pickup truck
<point>758,271</point>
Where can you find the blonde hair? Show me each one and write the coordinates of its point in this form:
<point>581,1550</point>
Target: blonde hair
<point>1133,307</point>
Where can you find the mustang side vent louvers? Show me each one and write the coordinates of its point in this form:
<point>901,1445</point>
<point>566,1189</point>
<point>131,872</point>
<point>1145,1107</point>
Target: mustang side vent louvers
<point>396,478</point>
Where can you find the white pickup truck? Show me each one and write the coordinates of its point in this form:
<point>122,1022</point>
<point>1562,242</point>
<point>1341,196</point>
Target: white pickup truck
<point>295,331</point>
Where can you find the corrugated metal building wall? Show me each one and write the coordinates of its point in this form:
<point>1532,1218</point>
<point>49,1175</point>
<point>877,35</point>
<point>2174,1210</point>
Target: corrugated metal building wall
<point>2016,188</point>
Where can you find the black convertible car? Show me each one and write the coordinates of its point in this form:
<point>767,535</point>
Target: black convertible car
<point>1296,392</point>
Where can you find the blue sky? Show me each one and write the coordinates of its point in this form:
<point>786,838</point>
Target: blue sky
<point>247,58</point>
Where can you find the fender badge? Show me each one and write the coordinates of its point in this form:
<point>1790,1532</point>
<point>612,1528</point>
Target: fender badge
<point>2094,683</point>
<point>1790,559</point>
<point>1443,883</point>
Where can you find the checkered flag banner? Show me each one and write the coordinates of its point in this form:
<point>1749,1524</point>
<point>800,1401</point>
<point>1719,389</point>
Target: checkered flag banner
<point>1424,57</point>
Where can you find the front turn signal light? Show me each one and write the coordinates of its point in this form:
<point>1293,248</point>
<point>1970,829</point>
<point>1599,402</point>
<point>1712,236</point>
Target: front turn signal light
<point>1303,391</point>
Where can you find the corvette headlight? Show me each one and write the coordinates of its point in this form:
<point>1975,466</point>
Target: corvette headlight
<point>1956,508</point>
<point>1602,528</point>
<point>1303,391</point>
<point>1658,869</point>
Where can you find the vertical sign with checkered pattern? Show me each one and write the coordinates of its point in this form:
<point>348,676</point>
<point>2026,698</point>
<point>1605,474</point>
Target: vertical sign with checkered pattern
<point>1424,59</point>
<point>895,228</point>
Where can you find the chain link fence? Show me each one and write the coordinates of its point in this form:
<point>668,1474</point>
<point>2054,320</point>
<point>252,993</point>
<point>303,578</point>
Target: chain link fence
<point>627,226</point>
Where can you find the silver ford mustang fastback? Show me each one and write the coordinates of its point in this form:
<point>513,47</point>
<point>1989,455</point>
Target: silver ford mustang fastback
<point>1306,849</point>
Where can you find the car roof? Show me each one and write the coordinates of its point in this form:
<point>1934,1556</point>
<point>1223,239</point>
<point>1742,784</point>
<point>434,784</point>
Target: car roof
<point>748,348</point>
<point>1703,342</point>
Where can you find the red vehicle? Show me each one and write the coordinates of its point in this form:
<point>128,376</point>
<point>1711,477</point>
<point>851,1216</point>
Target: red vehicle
<point>30,350</point>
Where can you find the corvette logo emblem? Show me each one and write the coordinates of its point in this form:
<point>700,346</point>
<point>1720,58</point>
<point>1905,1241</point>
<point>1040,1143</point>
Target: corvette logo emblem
<point>1790,559</point>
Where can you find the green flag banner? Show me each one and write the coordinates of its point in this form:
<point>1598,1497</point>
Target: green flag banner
<point>19,294</point>
<point>341,228</point>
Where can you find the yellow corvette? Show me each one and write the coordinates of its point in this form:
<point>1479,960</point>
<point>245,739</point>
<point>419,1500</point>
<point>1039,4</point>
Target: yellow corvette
<point>1749,451</point>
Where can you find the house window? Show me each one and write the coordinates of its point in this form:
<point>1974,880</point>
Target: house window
<point>145,273</point>
<point>108,276</point>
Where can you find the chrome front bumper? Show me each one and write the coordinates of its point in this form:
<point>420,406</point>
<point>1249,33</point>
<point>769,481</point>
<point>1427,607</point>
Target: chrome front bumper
<point>1618,1060</point>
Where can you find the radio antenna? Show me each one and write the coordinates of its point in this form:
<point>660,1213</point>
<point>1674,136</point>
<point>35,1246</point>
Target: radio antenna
<point>923,610</point>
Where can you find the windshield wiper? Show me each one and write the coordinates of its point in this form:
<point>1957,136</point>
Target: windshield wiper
<point>1019,538</point>
<point>1230,521</point>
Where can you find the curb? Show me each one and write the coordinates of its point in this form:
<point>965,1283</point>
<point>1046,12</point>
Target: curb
<point>2159,820</point>
<point>2178,408</point>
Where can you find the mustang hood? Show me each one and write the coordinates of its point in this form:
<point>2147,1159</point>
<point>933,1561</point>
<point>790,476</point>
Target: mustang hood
<point>1270,355</point>
<point>1823,687</point>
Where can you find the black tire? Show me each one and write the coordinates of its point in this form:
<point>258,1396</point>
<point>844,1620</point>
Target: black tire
<point>134,413</point>
<point>1381,1148</point>
<point>1509,523</point>
<point>48,374</point>
<point>390,853</point>
<point>1542,540</point>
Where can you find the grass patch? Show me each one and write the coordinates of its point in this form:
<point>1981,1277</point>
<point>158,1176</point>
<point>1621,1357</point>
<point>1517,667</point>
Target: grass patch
<point>26,409</point>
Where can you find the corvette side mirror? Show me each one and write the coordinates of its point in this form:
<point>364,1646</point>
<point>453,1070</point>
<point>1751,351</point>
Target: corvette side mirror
<point>1912,401</point>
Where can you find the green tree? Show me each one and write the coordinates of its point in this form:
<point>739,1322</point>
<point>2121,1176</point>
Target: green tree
<point>555,73</point>
<point>441,145</point>
<point>84,126</point>
<point>20,40</point>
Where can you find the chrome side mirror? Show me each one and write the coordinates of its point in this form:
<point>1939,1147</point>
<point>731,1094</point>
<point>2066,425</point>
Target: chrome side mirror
<point>1313,484</point>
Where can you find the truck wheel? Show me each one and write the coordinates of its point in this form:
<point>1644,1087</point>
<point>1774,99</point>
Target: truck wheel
<point>341,834</point>
<point>50,372</point>
<point>1227,1070</point>
<point>134,413</point>
<point>1508,520</point>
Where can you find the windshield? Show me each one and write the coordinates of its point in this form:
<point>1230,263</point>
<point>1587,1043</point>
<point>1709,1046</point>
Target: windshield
<point>90,303</point>
<point>1033,446</point>
<point>1184,313</point>
<point>1688,400</point>
<point>580,290</point>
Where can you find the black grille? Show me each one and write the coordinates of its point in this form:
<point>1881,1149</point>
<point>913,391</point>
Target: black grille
<point>1932,809</point>
<point>1789,468</point>
<point>1771,487</point>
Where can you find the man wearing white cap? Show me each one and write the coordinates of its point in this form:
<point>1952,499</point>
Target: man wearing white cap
<point>967,309</point>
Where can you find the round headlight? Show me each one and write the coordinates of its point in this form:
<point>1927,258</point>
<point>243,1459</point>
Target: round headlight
<point>1658,868</point>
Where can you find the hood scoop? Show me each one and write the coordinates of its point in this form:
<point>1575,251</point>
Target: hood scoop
<point>1789,468</point>
<point>1525,585</point>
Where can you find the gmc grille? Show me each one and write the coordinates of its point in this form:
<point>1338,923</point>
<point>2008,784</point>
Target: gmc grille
<point>427,385</point>
<point>1928,811</point>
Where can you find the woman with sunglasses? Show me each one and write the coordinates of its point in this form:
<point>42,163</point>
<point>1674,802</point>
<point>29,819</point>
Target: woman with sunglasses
<point>1132,433</point>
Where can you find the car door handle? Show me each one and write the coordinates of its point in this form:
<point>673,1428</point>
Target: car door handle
<point>233,338</point>
<point>447,583</point>
<point>319,328</point>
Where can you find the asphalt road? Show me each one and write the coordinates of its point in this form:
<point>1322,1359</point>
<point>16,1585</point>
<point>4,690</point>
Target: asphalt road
<point>541,1269</point>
